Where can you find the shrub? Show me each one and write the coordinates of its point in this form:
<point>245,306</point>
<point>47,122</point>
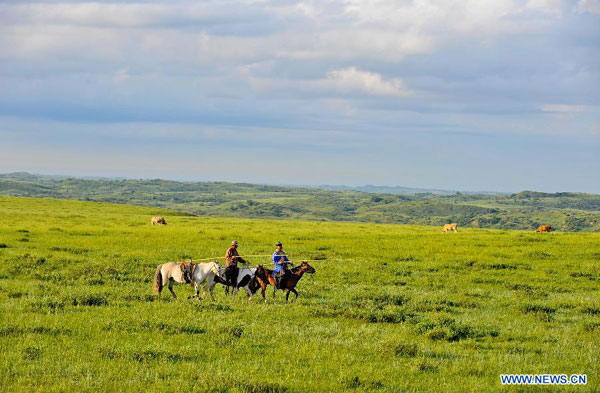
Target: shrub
<point>406,350</point>
<point>90,300</point>
<point>32,353</point>
<point>538,308</point>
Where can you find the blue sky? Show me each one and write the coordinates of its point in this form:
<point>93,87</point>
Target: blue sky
<point>473,95</point>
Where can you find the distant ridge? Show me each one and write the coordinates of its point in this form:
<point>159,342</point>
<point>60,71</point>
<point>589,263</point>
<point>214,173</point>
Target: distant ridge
<point>402,190</point>
<point>370,188</point>
<point>564,211</point>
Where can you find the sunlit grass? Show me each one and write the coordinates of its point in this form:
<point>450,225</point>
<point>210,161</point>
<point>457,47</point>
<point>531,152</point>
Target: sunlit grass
<point>394,307</point>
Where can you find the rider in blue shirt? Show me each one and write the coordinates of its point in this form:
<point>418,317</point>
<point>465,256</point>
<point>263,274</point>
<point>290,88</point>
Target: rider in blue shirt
<point>280,260</point>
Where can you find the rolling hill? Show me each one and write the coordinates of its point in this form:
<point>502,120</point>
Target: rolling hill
<point>574,212</point>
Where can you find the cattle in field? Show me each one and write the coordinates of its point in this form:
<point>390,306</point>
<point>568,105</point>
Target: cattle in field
<point>450,227</point>
<point>158,220</point>
<point>544,228</point>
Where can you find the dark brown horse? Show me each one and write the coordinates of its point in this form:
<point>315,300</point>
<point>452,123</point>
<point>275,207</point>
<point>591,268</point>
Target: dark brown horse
<point>265,277</point>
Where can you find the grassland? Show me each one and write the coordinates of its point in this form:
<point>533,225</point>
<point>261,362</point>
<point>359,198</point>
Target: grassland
<point>565,212</point>
<point>405,309</point>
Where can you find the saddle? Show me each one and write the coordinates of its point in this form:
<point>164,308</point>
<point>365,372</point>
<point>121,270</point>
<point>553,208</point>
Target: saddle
<point>187,271</point>
<point>281,277</point>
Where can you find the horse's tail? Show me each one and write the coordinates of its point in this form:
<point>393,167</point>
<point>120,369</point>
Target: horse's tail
<point>158,281</point>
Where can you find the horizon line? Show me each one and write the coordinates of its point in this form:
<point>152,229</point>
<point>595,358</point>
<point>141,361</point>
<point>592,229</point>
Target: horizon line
<point>415,190</point>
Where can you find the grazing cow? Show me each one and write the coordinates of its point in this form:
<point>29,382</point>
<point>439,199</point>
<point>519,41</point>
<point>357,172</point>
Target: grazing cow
<point>158,220</point>
<point>450,227</point>
<point>544,228</point>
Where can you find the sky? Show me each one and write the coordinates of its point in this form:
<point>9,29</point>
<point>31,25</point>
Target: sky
<point>471,95</point>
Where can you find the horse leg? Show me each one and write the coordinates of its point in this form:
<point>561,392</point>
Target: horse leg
<point>171,289</point>
<point>204,291</point>
<point>262,292</point>
<point>212,295</point>
<point>249,293</point>
<point>287,295</point>
<point>195,290</point>
<point>295,293</point>
<point>210,285</point>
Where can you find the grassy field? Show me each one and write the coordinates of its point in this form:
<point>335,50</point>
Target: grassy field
<point>407,308</point>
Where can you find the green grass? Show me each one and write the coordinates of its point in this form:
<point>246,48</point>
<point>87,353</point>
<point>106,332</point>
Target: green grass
<point>408,308</point>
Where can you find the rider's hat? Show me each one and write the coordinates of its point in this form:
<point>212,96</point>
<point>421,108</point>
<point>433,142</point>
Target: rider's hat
<point>234,243</point>
<point>278,244</point>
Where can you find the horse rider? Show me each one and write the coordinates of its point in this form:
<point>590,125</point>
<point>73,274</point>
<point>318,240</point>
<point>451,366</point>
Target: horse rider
<point>232,257</point>
<point>281,262</point>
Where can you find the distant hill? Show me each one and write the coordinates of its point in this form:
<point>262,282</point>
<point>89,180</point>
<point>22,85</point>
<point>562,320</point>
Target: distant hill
<point>386,189</point>
<point>400,190</point>
<point>524,210</point>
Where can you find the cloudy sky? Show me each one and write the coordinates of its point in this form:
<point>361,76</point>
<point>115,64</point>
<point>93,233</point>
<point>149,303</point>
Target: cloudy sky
<point>499,95</point>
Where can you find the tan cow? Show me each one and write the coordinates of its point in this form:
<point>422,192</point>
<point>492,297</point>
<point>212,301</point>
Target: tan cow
<point>450,227</point>
<point>158,220</point>
<point>544,228</point>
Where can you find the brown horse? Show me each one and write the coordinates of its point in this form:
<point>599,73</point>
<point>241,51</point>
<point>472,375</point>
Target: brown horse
<point>265,277</point>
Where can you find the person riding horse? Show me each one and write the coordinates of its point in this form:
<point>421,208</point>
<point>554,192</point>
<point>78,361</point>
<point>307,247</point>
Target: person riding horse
<point>281,262</point>
<point>232,257</point>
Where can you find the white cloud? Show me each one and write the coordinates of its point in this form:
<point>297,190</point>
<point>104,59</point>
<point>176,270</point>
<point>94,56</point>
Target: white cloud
<point>572,112</point>
<point>110,15</point>
<point>353,80</point>
<point>591,6</point>
<point>173,58</point>
<point>382,30</point>
<point>121,75</point>
<point>546,6</point>
<point>348,82</point>
<point>569,108</point>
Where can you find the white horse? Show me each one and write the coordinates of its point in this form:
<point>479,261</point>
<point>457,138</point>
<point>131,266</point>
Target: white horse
<point>209,274</point>
<point>185,273</point>
<point>246,279</point>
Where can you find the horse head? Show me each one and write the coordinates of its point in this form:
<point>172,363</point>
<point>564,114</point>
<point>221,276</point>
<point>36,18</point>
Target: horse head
<point>306,268</point>
<point>216,269</point>
<point>260,272</point>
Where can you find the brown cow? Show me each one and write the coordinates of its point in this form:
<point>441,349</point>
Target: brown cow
<point>158,220</point>
<point>544,228</point>
<point>450,227</point>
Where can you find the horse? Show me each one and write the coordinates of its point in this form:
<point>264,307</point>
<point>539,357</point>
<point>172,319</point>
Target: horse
<point>450,227</point>
<point>158,220</point>
<point>265,277</point>
<point>184,273</point>
<point>207,273</point>
<point>246,279</point>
